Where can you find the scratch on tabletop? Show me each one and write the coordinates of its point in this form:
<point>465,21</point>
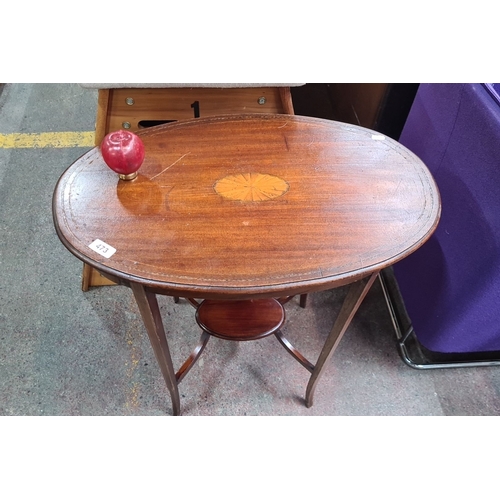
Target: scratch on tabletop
<point>165,169</point>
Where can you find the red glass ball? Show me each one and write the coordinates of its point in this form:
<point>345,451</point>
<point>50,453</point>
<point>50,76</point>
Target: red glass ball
<point>123,152</point>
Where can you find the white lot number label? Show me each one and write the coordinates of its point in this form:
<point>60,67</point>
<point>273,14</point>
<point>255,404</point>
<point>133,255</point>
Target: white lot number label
<point>102,248</point>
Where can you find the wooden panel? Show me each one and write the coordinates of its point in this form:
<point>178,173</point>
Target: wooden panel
<point>179,104</point>
<point>357,103</point>
<point>92,277</point>
<point>101,125</point>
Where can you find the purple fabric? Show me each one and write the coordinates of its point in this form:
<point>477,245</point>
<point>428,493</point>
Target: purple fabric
<point>451,286</point>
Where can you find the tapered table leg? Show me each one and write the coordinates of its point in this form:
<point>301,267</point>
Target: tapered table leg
<point>353,300</point>
<point>150,312</point>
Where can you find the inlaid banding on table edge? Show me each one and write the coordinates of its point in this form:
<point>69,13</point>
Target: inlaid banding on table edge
<point>251,186</point>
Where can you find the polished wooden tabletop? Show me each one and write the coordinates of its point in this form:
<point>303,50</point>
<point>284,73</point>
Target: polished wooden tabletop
<point>250,206</point>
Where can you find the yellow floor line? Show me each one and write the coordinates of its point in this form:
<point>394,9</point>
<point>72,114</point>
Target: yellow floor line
<point>48,140</point>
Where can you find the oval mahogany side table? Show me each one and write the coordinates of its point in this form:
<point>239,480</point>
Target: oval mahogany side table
<point>248,208</point>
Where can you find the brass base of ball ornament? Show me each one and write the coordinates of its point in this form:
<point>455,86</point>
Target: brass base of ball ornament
<point>128,177</point>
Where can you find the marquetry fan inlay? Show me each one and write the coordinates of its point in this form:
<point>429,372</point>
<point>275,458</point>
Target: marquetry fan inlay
<point>251,187</point>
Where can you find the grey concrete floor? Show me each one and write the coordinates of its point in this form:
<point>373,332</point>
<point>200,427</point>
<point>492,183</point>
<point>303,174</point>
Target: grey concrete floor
<point>66,352</point>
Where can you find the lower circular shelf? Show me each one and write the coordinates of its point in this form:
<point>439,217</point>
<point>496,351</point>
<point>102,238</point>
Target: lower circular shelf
<point>240,319</point>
